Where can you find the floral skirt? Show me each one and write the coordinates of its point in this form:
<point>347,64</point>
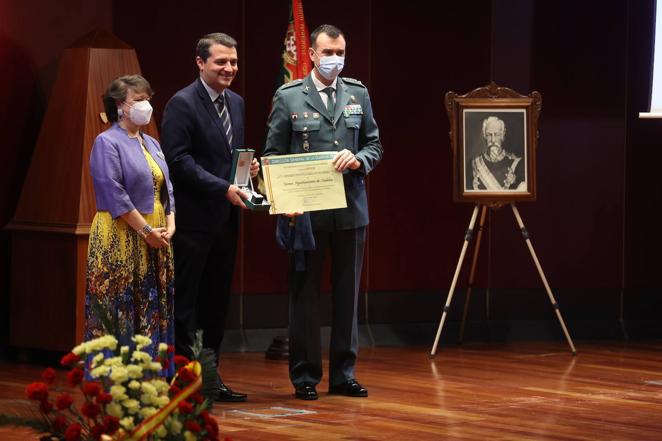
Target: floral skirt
<point>129,285</point>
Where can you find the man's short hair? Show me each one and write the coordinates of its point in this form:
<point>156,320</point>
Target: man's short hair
<point>327,29</point>
<point>202,49</point>
<point>494,119</point>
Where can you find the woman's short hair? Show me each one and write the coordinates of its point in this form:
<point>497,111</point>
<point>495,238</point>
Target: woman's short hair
<point>118,89</point>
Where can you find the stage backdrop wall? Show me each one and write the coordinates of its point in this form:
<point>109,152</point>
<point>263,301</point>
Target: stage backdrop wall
<point>597,163</point>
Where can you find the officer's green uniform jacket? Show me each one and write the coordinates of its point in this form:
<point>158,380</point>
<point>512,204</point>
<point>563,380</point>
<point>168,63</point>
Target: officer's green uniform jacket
<point>299,122</point>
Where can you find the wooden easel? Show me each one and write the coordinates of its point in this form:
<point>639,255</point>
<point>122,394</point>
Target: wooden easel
<point>467,239</point>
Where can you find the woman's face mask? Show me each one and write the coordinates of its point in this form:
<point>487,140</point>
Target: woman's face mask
<point>140,113</point>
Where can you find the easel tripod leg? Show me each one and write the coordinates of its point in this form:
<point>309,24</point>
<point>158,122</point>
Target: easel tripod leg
<point>525,235</point>
<point>467,239</point>
<point>472,273</point>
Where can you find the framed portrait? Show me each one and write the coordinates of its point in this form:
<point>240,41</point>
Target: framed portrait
<point>494,134</point>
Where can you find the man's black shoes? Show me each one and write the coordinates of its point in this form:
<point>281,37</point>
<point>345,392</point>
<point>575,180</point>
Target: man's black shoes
<point>305,391</point>
<point>350,388</point>
<point>226,395</point>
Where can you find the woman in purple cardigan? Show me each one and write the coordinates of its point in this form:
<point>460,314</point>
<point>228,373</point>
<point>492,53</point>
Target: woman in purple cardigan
<point>130,276</point>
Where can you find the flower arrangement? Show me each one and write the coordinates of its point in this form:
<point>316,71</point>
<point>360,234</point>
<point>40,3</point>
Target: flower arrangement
<point>125,398</point>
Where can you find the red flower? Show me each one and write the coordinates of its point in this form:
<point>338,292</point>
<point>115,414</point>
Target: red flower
<point>165,363</point>
<point>69,360</point>
<point>185,408</point>
<point>186,375</point>
<point>174,390</point>
<point>212,429</point>
<point>48,375</point>
<point>91,388</point>
<point>111,424</point>
<point>45,406</point>
<point>180,361</point>
<point>63,401</point>
<point>37,391</point>
<point>193,426</point>
<point>171,349</point>
<point>60,423</point>
<point>90,409</point>
<point>197,398</point>
<point>206,416</point>
<point>104,398</point>
<point>73,432</point>
<point>75,376</point>
<point>96,431</point>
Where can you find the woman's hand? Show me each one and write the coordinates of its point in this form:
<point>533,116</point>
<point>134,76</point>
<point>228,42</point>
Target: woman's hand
<point>155,238</point>
<point>168,233</point>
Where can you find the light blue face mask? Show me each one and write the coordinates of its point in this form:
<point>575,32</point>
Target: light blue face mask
<point>331,66</point>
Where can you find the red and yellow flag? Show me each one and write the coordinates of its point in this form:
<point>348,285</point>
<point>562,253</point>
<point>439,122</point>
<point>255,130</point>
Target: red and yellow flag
<point>296,63</point>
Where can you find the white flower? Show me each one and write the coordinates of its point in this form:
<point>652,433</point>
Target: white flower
<point>163,347</point>
<point>141,341</point>
<point>80,349</point>
<point>118,392</point>
<point>141,357</point>
<point>131,405</point>
<point>156,367</point>
<point>160,386</point>
<point>101,371</point>
<point>127,423</point>
<point>134,371</point>
<point>97,359</point>
<point>114,409</point>
<point>189,436</point>
<point>124,350</point>
<point>113,361</point>
<point>119,375</point>
<point>175,426</point>
<point>148,389</point>
<point>161,432</point>
<point>161,401</point>
<point>135,385</point>
<point>98,344</point>
<point>147,412</point>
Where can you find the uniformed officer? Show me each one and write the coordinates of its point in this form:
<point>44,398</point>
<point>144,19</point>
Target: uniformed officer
<point>324,112</point>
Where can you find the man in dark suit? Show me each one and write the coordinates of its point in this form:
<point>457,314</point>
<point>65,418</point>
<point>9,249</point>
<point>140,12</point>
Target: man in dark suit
<point>202,124</point>
<point>325,112</point>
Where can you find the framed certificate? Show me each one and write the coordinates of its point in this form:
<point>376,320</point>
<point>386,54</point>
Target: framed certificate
<point>303,182</point>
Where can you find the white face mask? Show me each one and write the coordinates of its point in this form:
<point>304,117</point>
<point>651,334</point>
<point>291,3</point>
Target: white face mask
<point>331,66</point>
<point>140,113</point>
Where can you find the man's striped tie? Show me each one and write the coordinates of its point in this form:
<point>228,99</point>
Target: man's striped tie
<point>225,117</point>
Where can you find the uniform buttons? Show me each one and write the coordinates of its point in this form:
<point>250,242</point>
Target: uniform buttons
<point>305,128</point>
<point>336,142</point>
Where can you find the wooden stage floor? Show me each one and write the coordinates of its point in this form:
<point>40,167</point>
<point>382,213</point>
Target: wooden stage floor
<point>517,391</point>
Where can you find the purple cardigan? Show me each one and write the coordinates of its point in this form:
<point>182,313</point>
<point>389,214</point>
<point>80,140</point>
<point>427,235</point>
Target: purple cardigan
<point>122,178</point>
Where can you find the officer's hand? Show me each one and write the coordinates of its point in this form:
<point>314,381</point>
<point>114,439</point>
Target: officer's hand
<point>236,196</point>
<point>255,168</point>
<point>293,215</point>
<point>346,160</point>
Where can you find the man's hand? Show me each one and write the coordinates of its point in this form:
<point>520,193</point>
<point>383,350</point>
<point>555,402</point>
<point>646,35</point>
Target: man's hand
<point>255,167</point>
<point>346,160</point>
<point>236,196</point>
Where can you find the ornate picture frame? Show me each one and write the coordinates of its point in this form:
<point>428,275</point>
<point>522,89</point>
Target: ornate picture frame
<point>494,134</point>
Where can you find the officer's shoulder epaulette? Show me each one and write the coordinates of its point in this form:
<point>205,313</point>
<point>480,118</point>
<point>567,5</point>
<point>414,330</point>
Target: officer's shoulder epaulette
<point>290,84</point>
<point>352,81</point>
